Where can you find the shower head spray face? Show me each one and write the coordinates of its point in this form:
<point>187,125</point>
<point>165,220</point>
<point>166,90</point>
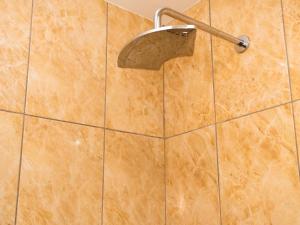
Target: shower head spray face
<point>154,47</point>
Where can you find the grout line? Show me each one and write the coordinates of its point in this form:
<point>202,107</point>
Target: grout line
<point>297,100</point>
<point>296,141</point>
<point>20,168</point>
<point>24,118</point>
<point>286,50</point>
<point>81,124</point>
<point>138,134</point>
<point>164,146</point>
<point>104,120</point>
<point>215,118</point>
<point>165,179</point>
<point>164,110</point>
<point>234,118</point>
<point>28,57</point>
<point>147,135</point>
<point>251,113</point>
<point>100,127</point>
<point>189,131</point>
<point>64,121</point>
<point>290,86</point>
<point>9,111</point>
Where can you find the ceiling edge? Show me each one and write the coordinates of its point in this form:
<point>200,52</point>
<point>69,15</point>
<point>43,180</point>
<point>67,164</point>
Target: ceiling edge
<point>128,10</point>
<point>150,19</point>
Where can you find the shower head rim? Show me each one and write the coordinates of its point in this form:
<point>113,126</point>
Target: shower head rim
<point>162,28</point>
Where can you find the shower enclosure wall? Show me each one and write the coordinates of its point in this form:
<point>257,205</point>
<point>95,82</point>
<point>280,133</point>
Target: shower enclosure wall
<point>209,139</point>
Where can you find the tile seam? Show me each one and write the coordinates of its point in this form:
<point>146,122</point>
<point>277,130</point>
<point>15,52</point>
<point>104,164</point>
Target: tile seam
<point>290,86</point>
<point>24,117</point>
<point>104,123</point>
<point>215,118</point>
<point>8,111</point>
<point>63,121</point>
<point>234,118</point>
<point>80,124</point>
<point>133,133</point>
<point>251,113</point>
<point>147,135</point>
<point>189,131</point>
<point>296,100</point>
<point>164,146</point>
<point>19,170</point>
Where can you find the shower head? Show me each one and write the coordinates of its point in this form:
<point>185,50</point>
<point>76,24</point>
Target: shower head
<point>154,47</point>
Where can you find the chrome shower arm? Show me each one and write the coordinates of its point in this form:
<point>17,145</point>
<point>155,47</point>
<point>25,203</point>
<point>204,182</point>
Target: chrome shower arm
<point>242,43</point>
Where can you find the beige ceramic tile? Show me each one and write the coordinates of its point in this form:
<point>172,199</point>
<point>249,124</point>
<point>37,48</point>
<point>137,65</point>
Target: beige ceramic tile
<point>297,121</point>
<point>258,169</point>
<point>134,96</point>
<point>192,194</point>
<point>61,178</point>
<point>134,180</point>
<point>292,28</point>
<point>67,63</point>
<point>258,78</point>
<point>10,145</point>
<point>188,83</point>
<point>14,31</point>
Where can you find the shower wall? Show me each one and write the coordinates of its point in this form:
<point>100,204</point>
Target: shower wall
<point>68,115</point>
<point>232,121</point>
<point>209,139</point>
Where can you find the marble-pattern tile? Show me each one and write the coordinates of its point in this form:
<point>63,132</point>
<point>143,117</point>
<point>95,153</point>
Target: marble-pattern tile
<point>61,178</point>
<point>188,82</point>
<point>67,61</point>
<point>258,169</point>
<point>134,96</point>
<point>14,44</point>
<point>192,189</point>
<point>10,146</point>
<point>133,180</point>
<point>258,78</point>
<point>291,12</point>
<point>297,121</point>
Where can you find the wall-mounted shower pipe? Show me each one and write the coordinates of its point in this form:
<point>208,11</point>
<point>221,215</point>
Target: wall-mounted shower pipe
<point>241,43</point>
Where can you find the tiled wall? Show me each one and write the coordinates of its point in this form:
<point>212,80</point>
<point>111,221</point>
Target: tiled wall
<point>233,120</point>
<point>209,139</point>
<point>80,139</point>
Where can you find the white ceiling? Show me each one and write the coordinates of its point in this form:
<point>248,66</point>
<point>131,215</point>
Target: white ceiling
<point>147,8</point>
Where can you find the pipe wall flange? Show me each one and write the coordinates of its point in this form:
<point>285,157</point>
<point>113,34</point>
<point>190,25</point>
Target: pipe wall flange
<point>243,45</point>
